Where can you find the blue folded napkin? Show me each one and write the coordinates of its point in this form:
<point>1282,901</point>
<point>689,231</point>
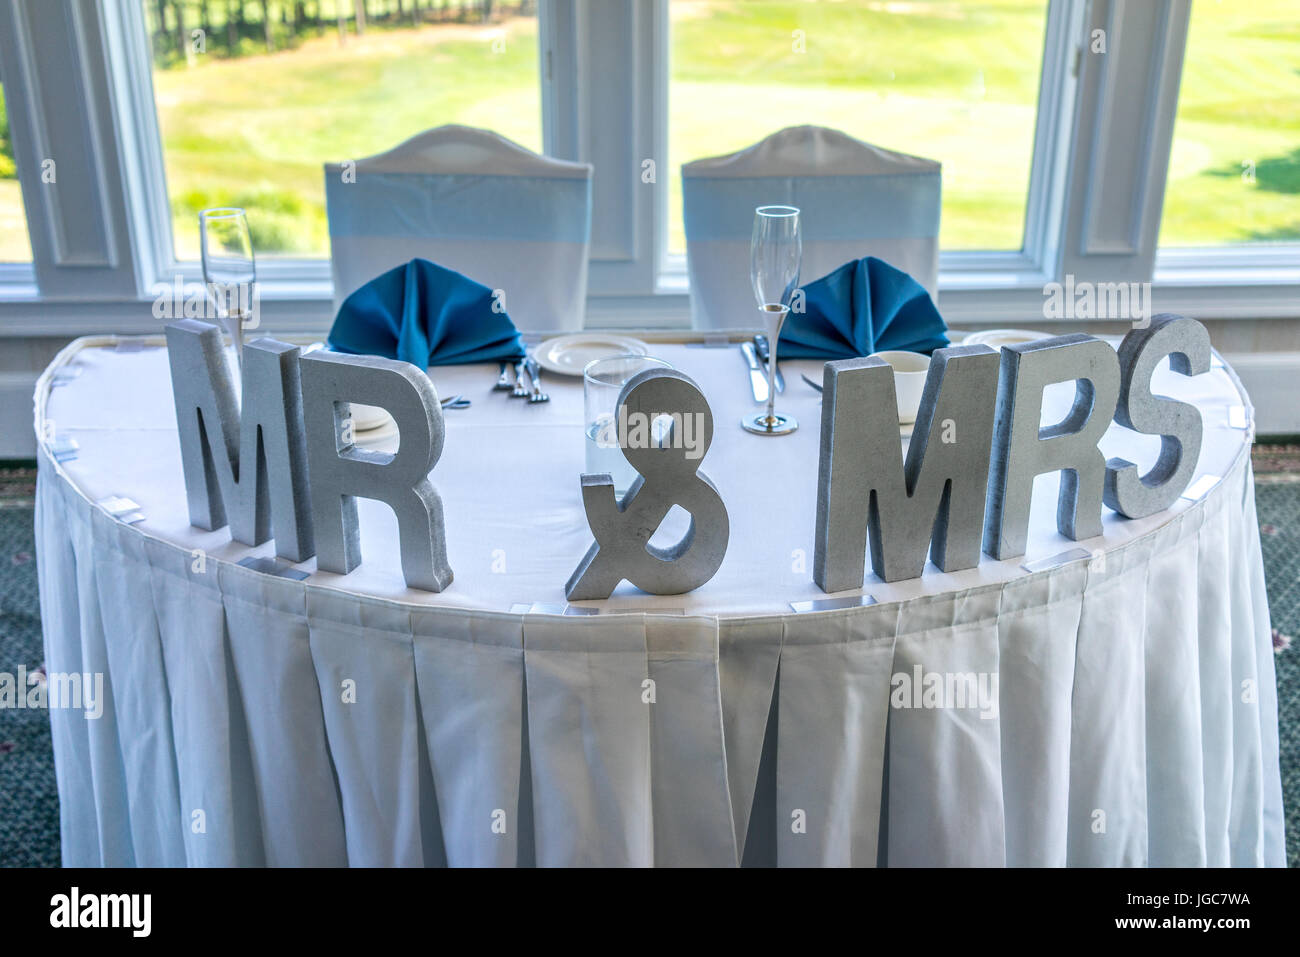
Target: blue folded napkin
<point>426,315</point>
<point>865,306</point>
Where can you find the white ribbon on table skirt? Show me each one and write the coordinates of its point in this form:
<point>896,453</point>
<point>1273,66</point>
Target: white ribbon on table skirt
<point>1134,721</point>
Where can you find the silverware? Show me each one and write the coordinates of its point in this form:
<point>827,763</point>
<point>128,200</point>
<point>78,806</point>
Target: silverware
<point>815,385</point>
<point>765,356</point>
<point>455,402</point>
<point>503,378</point>
<point>757,377</point>
<point>521,390</point>
<point>535,373</point>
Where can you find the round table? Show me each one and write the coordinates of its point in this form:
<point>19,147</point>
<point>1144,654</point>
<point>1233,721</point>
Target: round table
<point>1106,702</point>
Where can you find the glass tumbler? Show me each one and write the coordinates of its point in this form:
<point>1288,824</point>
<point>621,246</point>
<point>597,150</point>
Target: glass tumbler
<point>602,381</point>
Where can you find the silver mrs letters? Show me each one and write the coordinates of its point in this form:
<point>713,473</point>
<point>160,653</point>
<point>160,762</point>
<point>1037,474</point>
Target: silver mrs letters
<point>1022,450</point>
<point>668,476</point>
<point>1178,424</point>
<point>340,471</point>
<point>249,465</point>
<point>863,484</point>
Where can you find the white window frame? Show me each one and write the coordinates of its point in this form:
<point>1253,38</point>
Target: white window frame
<point>102,239</point>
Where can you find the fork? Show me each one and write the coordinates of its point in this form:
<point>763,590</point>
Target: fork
<point>520,390</point>
<point>503,378</point>
<point>535,373</point>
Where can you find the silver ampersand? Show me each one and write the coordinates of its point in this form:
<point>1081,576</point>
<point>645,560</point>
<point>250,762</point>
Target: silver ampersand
<point>669,475</point>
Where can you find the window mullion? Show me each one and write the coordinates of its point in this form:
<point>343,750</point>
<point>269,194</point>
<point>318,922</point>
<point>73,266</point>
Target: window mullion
<point>1058,87</point>
<point>603,75</point>
<point>131,78</point>
<point>68,148</point>
<point>1123,129</point>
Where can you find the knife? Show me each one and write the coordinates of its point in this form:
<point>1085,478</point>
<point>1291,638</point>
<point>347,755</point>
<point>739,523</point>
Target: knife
<point>757,377</point>
<point>764,356</point>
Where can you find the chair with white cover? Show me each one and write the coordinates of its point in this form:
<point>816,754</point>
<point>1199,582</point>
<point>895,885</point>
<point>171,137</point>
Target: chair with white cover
<point>855,199</point>
<point>472,201</point>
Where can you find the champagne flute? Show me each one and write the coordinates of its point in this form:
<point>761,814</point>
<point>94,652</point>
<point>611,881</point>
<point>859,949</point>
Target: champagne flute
<point>229,270</point>
<point>775,252</point>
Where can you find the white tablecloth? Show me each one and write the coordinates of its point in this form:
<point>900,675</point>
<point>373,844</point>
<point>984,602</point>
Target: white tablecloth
<point>259,719</point>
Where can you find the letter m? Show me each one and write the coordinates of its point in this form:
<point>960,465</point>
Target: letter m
<point>1112,300</point>
<point>116,910</point>
<point>249,465</point>
<point>933,503</point>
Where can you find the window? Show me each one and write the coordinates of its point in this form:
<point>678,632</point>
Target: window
<point>956,82</point>
<point>253,98</point>
<point>15,244</point>
<point>1068,147</point>
<point>1234,171</point>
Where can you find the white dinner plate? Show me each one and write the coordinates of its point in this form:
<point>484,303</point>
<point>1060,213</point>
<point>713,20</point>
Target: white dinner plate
<point>569,355</point>
<point>997,338</point>
<point>378,438</point>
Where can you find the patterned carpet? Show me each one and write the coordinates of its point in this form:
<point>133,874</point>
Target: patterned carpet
<point>1277,502</point>
<point>29,803</point>
<point>29,817</point>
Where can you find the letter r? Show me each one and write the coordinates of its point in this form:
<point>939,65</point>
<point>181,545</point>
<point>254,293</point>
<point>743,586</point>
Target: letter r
<point>341,472</point>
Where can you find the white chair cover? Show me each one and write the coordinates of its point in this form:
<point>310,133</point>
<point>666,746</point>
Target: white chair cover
<point>472,201</point>
<point>856,200</point>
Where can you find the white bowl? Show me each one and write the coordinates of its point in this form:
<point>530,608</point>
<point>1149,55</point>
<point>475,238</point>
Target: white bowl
<point>997,338</point>
<point>910,370</point>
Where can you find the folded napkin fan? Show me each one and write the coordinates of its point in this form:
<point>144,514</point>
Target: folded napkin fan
<point>426,315</point>
<point>865,306</point>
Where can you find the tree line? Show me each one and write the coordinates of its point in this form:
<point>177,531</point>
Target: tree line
<point>235,28</point>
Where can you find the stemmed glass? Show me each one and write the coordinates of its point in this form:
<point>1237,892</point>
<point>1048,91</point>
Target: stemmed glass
<point>775,252</point>
<point>229,270</point>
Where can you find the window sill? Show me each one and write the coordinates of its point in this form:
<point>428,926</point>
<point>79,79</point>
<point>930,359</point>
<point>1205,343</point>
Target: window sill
<point>1210,284</point>
<point>1253,282</point>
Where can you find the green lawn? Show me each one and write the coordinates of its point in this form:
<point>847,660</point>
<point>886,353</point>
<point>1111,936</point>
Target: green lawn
<point>14,244</point>
<point>255,131</point>
<point>1239,108</point>
<point>955,81</point>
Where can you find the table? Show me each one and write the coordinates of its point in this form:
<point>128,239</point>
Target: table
<point>253,718</point>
